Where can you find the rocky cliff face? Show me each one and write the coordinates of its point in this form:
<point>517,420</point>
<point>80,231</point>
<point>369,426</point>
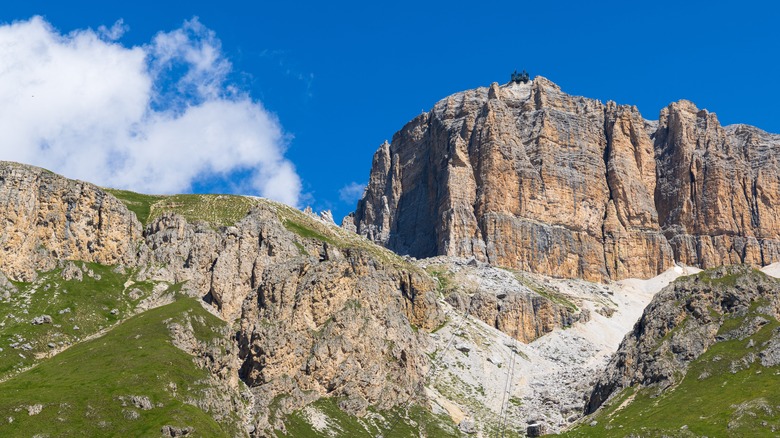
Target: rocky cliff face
<point>514,303</point>
<point>46,218</point>
<point>341,327</point>
<point>685,320</point>
<point>223,265</point>
<point>718,188</point>
<point>526,176</point>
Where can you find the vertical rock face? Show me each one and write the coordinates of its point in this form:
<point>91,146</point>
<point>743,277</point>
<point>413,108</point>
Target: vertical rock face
<point>526,176</point>
<point>340,327</point>
<point>717,191</point>
<point>46,217</point>
<point>223,265</point>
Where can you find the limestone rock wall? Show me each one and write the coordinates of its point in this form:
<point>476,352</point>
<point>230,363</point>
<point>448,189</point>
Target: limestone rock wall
<point>46,218</point>
<point>718,189</point>
<point>341,327</point>
<point>223,265</point>
<point>524,316</point>
<point>529,177</point>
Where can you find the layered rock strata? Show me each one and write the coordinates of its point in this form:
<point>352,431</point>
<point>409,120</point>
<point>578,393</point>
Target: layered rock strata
<point>514,303</point>
<point>526,176</point>
<point>342,327</point>
<point>718,189</point>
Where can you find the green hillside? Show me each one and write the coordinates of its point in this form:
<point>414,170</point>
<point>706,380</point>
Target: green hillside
<point>725,392</point>
<point>130,382</point>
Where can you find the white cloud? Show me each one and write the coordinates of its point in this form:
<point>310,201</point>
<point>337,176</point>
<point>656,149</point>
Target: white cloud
<point>352,192</point>
<point>154,118</point>
<point>114,32</point>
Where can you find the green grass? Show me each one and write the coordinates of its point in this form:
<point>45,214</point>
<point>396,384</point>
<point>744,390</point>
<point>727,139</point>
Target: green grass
<point>86,304</point>
<point>306,232</point>
<point>441,326</point>
<point>455,389</point>
<point>80,389</point>
<point>555,297</point>
<point>226,210</point>
<point>398,423</point>
<point>217,210</point>
<point>743,403</point>
<point>444,281</point>
<point>138,203</point>
<point>712,276</point>
<point>311,229</point>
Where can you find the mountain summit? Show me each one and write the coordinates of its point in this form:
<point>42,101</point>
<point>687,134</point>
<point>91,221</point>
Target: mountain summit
<point>524,175</point>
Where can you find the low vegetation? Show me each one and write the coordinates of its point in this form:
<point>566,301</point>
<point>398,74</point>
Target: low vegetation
<point>88,389</point>
<point>723,393</point>
<point>308,227</point>
<point>217,210</point>
<point>324,418</point>
<point>226,210</point>
<point>138,203</point>
<point>53,313</point>
<point>555,297</point>
<point>445,283</point>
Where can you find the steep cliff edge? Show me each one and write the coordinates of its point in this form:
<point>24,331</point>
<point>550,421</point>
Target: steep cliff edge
<point>718,189</point>
<point>529,177</point>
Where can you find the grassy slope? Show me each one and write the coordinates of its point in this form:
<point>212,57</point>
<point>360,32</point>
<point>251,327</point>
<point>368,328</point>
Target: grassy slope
<point>86,304</point>
<point>745,403</point>
<point>79,389</point>
<point>393,424</point>
<point>221,210</point>
<point>218,210</point>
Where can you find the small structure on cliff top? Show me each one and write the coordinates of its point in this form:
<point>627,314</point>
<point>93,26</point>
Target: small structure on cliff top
<point>518,78</point>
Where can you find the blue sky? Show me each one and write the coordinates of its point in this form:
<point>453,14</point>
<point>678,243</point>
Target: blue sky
<point>338,78</point>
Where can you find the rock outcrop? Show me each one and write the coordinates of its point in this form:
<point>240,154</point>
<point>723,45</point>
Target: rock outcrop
<point>683,321</point>
<point>516,304</point>
<point>526,176</point>
<point>223,265</point>
<point>343,327</point>
<point>46,218</point>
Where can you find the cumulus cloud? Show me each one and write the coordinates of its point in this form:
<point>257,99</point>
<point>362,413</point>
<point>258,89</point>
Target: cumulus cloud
<point>154,118</point>
<point>352,192</point>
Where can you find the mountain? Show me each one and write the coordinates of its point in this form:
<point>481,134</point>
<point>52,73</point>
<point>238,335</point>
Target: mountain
<point>529,177</point>
<point>100,283</point>
<point>541,225</point>
<point>702,360</point>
